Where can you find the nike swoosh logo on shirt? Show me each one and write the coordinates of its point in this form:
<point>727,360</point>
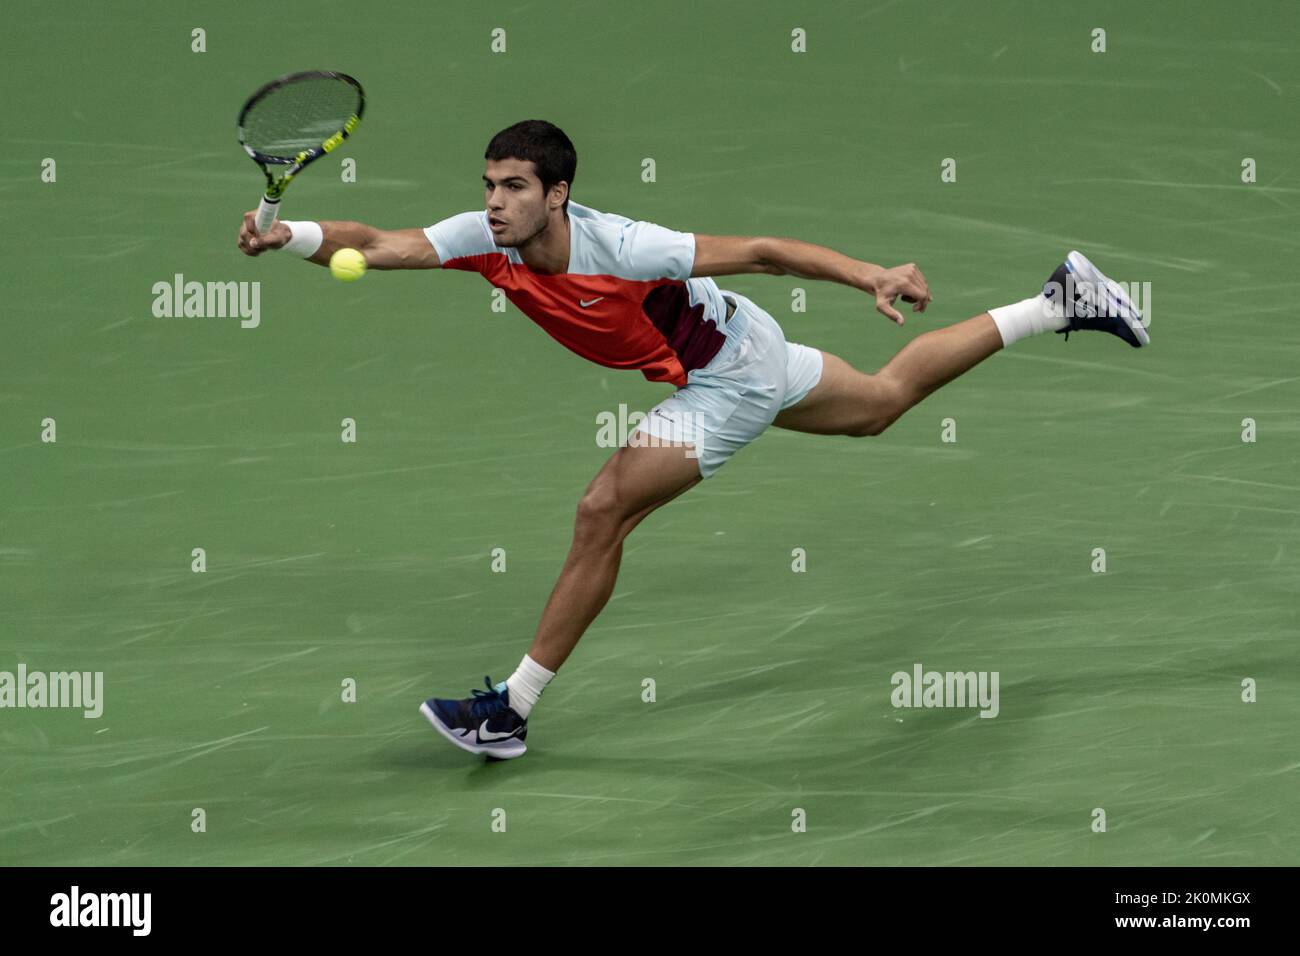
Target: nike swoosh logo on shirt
<point>586,302</point>
<point>486,735</point>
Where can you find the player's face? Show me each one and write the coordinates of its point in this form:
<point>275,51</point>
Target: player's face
<point>516,205</point>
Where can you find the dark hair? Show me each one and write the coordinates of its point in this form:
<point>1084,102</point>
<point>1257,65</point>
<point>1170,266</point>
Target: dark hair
<point>544,145</point>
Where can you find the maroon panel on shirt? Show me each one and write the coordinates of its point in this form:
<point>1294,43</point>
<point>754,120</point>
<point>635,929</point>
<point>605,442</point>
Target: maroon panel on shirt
<point>694,340</point>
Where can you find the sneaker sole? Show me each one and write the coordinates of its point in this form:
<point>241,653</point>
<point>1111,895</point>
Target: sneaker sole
<point>505,751</point>
<point>1083,268</point>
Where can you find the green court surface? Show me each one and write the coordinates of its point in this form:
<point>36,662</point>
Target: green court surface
<point>371,561</point>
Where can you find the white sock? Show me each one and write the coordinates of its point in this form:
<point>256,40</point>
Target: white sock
<point>526,685</point>
<point>1028,317</point>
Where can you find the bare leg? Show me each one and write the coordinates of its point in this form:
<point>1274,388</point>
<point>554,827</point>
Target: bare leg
<point>635,481</point>
<point>849,402</point>
<point>639,478</point>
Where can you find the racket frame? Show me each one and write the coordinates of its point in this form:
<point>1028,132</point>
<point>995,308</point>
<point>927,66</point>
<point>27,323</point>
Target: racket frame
<point>269,207</point>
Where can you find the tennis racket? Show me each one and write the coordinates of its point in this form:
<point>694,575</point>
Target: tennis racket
<point>293,121</point>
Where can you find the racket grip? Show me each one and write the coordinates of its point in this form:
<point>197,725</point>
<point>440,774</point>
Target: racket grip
<point>267,210</point>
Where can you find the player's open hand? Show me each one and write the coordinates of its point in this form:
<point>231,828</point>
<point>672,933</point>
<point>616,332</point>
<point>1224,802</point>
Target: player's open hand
<point>906,281</point>
<point>252,243</point>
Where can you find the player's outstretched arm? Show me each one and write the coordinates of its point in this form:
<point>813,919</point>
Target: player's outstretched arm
<point>737,255</point>
<point>382,248</point>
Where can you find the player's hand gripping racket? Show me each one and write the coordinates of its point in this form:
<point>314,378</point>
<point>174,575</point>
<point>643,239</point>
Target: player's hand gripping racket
<point>294,120</point>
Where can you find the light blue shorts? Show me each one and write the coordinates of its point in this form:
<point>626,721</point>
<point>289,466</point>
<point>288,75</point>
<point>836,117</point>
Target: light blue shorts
<point>731,401</point>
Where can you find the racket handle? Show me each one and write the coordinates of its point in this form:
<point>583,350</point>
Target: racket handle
<point>267,210</point>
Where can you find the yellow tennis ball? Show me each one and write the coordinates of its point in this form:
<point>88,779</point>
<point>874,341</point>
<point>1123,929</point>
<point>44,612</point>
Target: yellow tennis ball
<point>347,265</point>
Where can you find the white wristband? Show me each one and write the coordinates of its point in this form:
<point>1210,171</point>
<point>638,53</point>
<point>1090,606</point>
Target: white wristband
<point>306,237</point>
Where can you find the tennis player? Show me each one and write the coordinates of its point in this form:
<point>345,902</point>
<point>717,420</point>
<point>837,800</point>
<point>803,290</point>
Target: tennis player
<point>634,295</point>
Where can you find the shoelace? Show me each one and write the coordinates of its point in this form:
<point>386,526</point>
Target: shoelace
<point>1088,322</point>
<point>1103,309</point>
<point>486,702</point>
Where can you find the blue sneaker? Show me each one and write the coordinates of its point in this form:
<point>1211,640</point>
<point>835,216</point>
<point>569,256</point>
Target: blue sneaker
<point>1093,303</point>
<point>482,724</point>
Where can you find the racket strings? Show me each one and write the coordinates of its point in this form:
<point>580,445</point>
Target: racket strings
<point>299,116</point>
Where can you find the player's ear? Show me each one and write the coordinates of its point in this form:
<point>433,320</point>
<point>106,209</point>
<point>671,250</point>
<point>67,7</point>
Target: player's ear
<point>559,193</point>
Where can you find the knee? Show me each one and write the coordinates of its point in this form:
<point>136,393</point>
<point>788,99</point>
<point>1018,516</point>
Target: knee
<point>600,514</point>
<point>871,427</point>
<point>887,403</point>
